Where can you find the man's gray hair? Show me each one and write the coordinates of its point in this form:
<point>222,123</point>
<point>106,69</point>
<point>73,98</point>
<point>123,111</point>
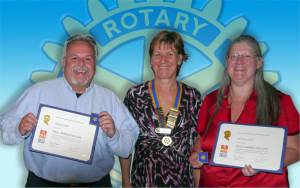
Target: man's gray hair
<point>80,37</point>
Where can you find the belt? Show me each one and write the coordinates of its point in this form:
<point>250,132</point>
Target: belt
<point>35,181</point>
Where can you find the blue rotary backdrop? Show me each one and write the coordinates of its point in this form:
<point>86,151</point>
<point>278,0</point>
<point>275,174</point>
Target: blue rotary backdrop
<point>32,34</point>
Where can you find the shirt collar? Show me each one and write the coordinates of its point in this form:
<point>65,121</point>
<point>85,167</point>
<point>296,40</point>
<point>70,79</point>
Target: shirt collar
<point>71,89</point>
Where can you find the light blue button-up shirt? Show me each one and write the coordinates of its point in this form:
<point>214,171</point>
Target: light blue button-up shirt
<point>95,99</point>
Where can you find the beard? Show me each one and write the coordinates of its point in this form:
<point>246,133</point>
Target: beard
<point>85,82</point>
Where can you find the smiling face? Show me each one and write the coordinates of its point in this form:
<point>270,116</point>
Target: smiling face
<point>242,63</point>
<point>79,65</point>
<point>164,61</point>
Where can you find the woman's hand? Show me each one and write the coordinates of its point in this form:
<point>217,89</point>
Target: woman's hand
<point>194,161</point>
<point>249,171</point>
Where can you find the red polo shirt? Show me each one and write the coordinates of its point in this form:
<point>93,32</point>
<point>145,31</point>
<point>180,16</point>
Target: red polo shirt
<point>232,177</point>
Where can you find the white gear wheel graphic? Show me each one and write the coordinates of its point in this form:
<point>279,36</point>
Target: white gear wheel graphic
<point>99,13</point>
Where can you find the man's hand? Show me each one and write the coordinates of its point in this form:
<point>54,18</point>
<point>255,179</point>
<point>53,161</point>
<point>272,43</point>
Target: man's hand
<point>28,122</point>
<point>107,124</point>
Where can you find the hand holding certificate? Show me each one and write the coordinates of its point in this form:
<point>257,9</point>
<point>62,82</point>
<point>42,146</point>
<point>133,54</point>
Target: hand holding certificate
<point>65,133</point>
<point>262,147</point>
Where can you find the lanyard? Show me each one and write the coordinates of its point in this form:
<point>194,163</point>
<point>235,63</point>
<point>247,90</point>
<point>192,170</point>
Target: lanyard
<point>173,112</point>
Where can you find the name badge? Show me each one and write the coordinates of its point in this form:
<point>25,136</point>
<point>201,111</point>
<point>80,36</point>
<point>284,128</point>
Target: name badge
<point>162,130</point>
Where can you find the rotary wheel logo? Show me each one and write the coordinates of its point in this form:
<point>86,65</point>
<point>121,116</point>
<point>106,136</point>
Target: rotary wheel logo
<point>123,34</point>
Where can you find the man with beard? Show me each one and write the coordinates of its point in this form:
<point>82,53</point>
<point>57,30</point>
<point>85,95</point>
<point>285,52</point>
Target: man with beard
<point>75,91</point>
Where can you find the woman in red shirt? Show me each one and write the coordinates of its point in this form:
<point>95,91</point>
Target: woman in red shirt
<point>245,98</point>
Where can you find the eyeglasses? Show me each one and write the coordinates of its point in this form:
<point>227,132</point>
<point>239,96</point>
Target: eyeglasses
<point>244,57</point>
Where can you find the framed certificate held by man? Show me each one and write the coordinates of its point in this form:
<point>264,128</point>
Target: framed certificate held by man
<point>65,133</point>
<point>262,147</point>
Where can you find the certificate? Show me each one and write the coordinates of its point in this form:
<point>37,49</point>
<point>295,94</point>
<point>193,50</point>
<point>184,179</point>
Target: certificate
<point>65,133</point>
<point>262,147</point>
